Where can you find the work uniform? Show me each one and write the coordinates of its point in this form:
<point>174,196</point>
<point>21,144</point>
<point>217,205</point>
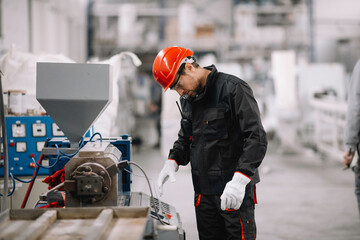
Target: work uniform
<point>221,133</point>
<point>352,127</point>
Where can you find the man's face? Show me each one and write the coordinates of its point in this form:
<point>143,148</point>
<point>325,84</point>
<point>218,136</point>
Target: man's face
<point>187,83</point>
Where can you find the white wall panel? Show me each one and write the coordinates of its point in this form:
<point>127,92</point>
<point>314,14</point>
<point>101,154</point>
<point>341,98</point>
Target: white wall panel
<point>335,9</point>
<point>15,20</point>
<point>60,27</point>
<point>334,20</point>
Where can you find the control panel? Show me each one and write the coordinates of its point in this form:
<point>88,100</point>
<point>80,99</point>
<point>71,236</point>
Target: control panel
<point>26,136</point>
<point>158,209</point>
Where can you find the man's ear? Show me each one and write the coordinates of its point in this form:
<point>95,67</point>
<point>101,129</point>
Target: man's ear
<point>189,67</point>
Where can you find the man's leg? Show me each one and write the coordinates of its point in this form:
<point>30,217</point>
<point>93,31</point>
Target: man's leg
<point>357,183</point>
<point>240,224</point>
<point>209,222</point>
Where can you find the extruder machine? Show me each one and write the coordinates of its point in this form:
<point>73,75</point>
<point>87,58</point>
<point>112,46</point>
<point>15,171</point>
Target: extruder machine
<point>96,182</point>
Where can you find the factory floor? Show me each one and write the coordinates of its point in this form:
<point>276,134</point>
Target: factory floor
<point>300,196</point>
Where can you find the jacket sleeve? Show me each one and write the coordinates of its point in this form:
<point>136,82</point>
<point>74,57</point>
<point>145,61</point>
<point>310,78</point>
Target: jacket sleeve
<point>181,148</point>
<point>247,116</point>
<point>352,126</point>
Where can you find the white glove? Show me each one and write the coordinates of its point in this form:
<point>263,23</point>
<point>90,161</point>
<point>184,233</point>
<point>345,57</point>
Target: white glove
<point>169,169</point>
<point>234,192</point>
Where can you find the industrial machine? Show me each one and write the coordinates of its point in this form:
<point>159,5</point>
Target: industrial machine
<point>26,136</point>
<point>74,95</point>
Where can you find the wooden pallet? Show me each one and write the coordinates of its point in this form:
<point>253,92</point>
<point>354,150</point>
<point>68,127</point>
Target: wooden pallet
<point>74,223</point>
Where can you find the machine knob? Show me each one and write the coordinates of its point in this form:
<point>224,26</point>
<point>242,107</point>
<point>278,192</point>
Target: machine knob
<point>125,136</point>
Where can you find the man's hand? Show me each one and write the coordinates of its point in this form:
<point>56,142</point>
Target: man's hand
<point>169,169</point>
<point>348,157</point>
<point>234,192</point>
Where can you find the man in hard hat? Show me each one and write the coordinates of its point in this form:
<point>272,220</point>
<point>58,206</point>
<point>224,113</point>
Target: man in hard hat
<point>352,128</point>
<point>221,136</point>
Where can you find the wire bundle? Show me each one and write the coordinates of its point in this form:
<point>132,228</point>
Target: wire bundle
<point>60,155</point>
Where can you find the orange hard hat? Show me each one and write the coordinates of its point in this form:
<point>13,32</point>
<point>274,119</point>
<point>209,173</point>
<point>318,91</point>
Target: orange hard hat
<point>167,63</point>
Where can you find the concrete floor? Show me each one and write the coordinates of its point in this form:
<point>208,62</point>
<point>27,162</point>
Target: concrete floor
<point>300,196</point>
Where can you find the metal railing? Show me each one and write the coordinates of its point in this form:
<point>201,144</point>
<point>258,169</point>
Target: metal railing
<point>330,120</point>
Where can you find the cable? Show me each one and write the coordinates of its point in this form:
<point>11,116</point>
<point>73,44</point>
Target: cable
<point>33,177</point>
<point>136,175</point>
<point>38,164</point>
<point>97,133</point>
<point>58,157</point>
<point>131,172</point>
<point>152,201</point>
<point>35,171</point>
<point>73,154</point>
<point>13,188</point>
<point>53,165</point>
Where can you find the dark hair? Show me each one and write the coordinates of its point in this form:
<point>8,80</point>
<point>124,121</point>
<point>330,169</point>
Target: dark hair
<point>195,64</point>
<point>181,69</point>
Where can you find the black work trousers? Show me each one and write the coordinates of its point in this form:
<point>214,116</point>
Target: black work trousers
<point>215,224</point>
<point>356,170</point>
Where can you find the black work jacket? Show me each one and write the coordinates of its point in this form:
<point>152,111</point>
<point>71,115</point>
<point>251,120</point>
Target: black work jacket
<point>221,132</point>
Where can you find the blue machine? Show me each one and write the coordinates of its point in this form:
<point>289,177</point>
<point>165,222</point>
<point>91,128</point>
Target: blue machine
<point>123,144</point>
<point>26,136</point>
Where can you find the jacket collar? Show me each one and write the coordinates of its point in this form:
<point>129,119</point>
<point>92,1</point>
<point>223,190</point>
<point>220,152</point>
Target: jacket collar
<point>209,81</point>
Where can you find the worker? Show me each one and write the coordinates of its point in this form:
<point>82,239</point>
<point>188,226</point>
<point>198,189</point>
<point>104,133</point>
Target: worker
<point>222,136</point>
<point>352,128</point>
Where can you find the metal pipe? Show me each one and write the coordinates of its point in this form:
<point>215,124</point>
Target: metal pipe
<point>6,160</point>
<point>35,174</point>
<point>310,6</point>
<point>30,25</point>
<point>162,22</point>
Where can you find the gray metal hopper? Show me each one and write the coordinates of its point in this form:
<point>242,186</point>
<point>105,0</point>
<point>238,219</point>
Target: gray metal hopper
<point>73,94</point>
